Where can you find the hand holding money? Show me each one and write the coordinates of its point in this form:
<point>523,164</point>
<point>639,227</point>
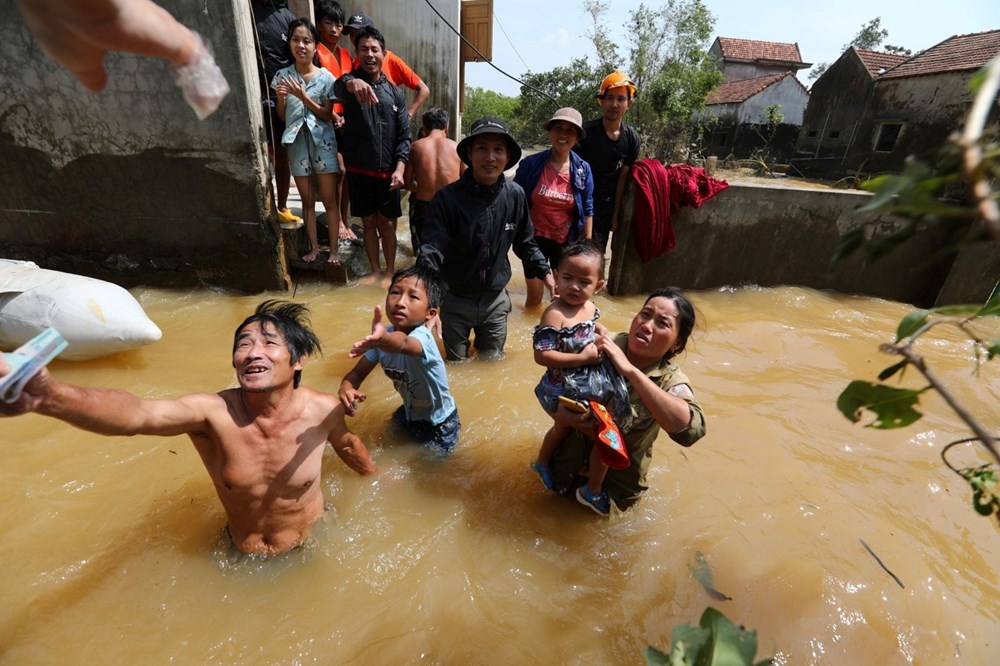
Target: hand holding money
<point>22,365</point>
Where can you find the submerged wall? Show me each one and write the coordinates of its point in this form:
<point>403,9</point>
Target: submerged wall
<point>128,185</point>
<point>768,236</point>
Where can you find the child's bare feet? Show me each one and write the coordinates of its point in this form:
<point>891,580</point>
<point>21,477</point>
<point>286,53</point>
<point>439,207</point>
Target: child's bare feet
<point>311,257</point>
<point>334,258</point>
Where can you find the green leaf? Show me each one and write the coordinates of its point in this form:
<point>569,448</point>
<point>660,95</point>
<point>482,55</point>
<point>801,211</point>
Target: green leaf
<point>848,243</point>
<point>893,407</point>
<point>655,657</point>
<point>686,642</point>
<point>977,80</point>
<point>993,349</point>
<point>992,307</point>
<point>885,191</point>
<point>981,507</point>
<point>891,370</point>
<point>952,310</point>
<point>731,645</point>
<point>911,323</point>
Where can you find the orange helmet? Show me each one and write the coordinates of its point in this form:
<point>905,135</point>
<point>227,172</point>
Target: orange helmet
<point>616,79</point>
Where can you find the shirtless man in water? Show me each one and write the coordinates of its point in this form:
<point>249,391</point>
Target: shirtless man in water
<point>433,164</point>
<point>262,443</point>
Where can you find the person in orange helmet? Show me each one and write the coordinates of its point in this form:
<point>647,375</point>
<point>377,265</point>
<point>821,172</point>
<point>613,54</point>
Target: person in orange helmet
<point>610,147</point>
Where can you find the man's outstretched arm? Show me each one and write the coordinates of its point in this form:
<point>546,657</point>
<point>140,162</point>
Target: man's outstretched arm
<point>109,411</point>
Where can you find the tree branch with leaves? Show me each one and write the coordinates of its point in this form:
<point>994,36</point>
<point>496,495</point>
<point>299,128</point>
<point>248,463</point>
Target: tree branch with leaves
<point>916,195</point>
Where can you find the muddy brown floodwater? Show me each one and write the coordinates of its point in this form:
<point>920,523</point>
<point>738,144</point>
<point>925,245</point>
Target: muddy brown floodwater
<point>111,549</point>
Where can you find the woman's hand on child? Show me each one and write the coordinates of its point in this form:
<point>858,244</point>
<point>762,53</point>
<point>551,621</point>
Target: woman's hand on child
<point>371,341</point>
<point>606,345</point>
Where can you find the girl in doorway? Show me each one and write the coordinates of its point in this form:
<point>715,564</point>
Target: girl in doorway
<point>565,343</point>
<point>305,102</point>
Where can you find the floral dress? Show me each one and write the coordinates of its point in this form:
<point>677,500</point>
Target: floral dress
<point>599,382</point>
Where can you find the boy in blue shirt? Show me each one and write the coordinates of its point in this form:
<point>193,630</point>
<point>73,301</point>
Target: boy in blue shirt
<point>410,357</point>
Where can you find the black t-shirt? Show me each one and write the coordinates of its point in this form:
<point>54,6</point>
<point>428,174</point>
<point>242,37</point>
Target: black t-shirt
<point>606,158</point>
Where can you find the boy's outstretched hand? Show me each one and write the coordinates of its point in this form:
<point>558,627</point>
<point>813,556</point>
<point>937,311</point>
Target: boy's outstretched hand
<point>372,341</point>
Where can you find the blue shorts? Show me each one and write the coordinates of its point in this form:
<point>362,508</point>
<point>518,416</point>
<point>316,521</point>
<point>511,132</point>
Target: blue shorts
<point>305,157</point>
<point>441,437</point>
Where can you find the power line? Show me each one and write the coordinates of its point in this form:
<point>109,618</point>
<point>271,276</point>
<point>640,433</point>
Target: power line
<point>487,60</point>
<point>500,25</point>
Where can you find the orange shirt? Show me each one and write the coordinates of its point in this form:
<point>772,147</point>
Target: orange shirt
<point>338,62</point>
<point>397,71</point>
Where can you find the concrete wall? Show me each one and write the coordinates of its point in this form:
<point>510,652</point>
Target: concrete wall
<point>930,108</point>
<point>415,33</point>
<point>787,92</point>
<point>770,236</point>
<point>127,185</point>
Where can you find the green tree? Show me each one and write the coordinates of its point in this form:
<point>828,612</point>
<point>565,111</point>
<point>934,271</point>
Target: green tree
<point>574,85</point>
<point>667,59</point>
<point>870,37</point>
<point>669,63</point>
<point>480,102</point>
<point>918,195</point>
<point>604,45</point>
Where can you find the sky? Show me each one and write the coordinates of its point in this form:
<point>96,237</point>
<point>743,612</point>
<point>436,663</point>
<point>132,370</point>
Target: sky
<point>538,35</point>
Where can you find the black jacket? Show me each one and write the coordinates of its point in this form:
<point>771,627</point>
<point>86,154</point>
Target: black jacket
<point>377,136</point>
<point>272,19</point>
<point>468,231</point>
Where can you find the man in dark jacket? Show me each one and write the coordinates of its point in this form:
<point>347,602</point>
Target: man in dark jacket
<point>272,18</point>
<point>470,227</point>
<point>376,147</point>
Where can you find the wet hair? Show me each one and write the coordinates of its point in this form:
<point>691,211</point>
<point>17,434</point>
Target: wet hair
<point>368,31</point>
<point>292,321</point>
<point>685,320</point>
<point>329,9</point>
<point>308,25</point>
<point>435,118</point>
<point>432,283</point>
<point>584,248</point>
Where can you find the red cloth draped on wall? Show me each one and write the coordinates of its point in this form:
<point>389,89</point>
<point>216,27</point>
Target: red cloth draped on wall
<point>659,192</point>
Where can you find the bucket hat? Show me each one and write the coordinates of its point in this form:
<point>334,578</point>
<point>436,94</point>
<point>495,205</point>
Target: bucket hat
<point>570,115</point>
<point>490,125</point>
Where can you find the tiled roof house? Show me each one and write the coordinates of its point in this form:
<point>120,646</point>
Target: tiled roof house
<point>918,103</point>
<point>748,99</point>
<point>837,101</point>
<point>878,63</point>
<point>960,53</point>
<point>757,75</point>
<point>751,58</point>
